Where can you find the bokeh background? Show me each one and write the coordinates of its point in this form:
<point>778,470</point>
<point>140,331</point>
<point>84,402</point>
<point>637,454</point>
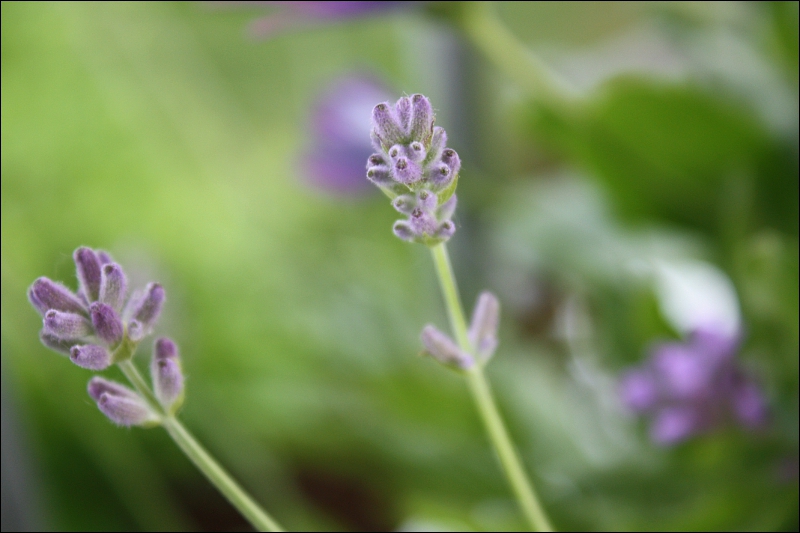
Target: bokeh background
<point>179,136</point>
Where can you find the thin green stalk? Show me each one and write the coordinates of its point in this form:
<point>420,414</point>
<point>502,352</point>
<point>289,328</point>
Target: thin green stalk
<point>482,394</point>
<point>484,29</point>
<point>257,517</point>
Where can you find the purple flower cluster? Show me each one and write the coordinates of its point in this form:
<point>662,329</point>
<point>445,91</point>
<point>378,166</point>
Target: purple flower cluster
<point>694,387</point>
<point>99,326</point>
<point>414,167</point>
<point>339,131</point>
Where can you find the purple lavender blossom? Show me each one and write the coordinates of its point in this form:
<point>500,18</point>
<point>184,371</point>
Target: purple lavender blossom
<point>166,373</point>
<point>299,14</point>
<point>88,326</point>
<point>413,167</point>
<point>120,404</point>
<point>339,131</point>
<point>693,388</point>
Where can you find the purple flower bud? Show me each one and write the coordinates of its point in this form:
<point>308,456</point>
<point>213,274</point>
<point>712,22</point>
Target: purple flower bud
<point>451,159</point>
<point>54,343</point>
<point>402,230</point>
<point>103,257</point>
<point>749,404</point>
<point>380,176</point>
<point>403,110</point>
<point>438,143</point>
<point>385,126</point>
<point>148,307</point>
<point>440,176</point>
<point>45,294</point>
<point>444,232</point>
<point>166,373</point>
<point>422,119</point>
<point>136,331</point>
<point>125,411</point>
<point>66,325</point>
<point>422,223</point>
<point>113,285</point>
<point>90,356</point>
<point>416,152</point>
<point>485,322</point>
<point>443,349</point>
<point>106,322</point>
<point>88,268</point>
<point>99,386</point>
<point>427,201</point>
<point>405,203</point>
<point>406,171</point>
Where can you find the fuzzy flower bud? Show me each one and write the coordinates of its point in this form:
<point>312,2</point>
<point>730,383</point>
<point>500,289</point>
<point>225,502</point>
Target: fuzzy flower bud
<point>106,322</point>
<point>148,306</point>
<point>66,325</point>
<point>113,286</point>
<point>166,373</point>
<point>45,294</point>
<point>443,349</point>
<point>62,346</point>
<point>88,267</point>
<point>415,168</point>
<point>119,403</point>
<point>90,356</point>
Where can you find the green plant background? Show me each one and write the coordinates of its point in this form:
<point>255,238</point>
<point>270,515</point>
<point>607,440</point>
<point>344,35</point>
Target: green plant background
<point>164,134</point>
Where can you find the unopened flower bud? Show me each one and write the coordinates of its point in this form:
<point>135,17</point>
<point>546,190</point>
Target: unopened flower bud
<point>106,322</point>
<point>405,203</point>
<point>422,222</point>
<point>88,268</point>
<point>90,356</point>
<point>136,331</point>
<point>119,403</point>
<point>166,373</point>
<point>451,159</point>
<point>444,350</point>
<point>149,306</point>
<point>54,343</point>
<point>385,126</point>
<point>64,325</point>
<point>427,201</point>
<point>113,285</point>
<point>485,322</point>
<point>422,119</point>
<point>45,294</point>
<point>444,232</point>
<point>402,229</point>
<point>438,143</point>
<point>126,412</point>
<point>403,111</point>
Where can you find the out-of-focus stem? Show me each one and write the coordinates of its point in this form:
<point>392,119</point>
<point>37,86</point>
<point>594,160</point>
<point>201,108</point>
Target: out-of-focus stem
<point>484,400</point>
<point>217,475</point>
<point>480,24</point>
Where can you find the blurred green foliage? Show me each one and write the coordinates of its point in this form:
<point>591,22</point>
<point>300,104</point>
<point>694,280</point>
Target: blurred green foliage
<point>162,133</point>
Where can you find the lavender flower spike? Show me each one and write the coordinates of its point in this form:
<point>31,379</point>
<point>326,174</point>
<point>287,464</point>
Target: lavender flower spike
<point>123,406</point>
<point>444,350</point>
<point>413,163</point>
<point>166,373</point>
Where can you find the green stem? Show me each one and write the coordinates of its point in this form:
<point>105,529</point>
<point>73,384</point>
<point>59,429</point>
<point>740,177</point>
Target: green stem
<point>484,29</point>
<point>217,475</point>
<point>482,394</point>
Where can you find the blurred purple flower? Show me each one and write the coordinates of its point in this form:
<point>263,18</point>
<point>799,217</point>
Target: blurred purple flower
<point>693,387</point>
<point>289,15</point>
<point>339,131</point>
